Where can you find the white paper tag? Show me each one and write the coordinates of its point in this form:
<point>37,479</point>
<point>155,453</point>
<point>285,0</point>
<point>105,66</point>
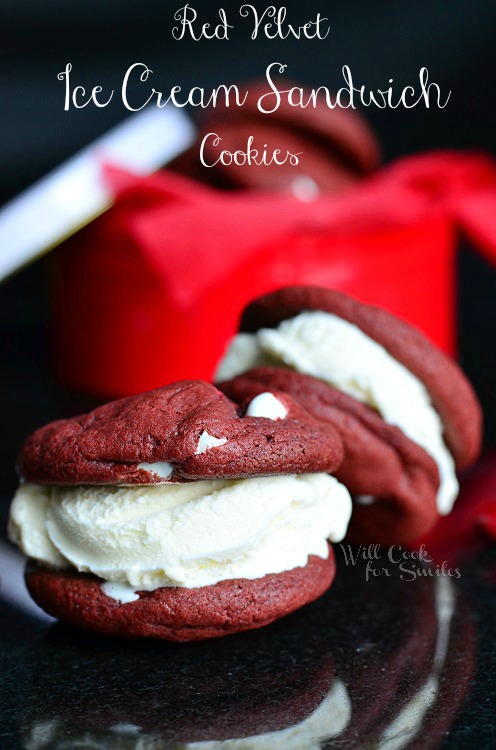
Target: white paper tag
<point>73,194</point>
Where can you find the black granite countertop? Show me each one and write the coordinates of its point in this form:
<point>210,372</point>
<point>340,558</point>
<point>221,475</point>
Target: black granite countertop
<point>386,663</point>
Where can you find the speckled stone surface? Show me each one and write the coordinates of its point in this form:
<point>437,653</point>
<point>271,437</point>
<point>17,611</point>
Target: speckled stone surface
<point>372,660</point>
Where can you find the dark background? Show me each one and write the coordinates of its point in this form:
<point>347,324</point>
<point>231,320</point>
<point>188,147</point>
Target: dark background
<point>377,39</point>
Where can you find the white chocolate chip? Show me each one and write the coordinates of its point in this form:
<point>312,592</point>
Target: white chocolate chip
<point>162,469</point>
<point>305,189</point>
<point>266,405</point>
<point>121,592</point>
<point>365,499</point>
<point>207,441</point>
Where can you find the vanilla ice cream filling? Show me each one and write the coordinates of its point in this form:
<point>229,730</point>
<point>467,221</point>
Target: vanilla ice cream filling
<point>181,534</point>
<point>338,352</point>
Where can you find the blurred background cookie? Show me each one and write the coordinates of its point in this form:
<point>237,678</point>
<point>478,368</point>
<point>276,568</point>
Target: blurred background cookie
<point>335,147</point>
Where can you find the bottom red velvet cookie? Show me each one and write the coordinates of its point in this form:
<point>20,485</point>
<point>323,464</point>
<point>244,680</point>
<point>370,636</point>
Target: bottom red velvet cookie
<point>176,613</point>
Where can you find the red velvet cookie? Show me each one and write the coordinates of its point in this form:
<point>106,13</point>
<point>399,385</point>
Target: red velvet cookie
<point>379,460</point>
<point>451,394</point>
<point>175,613</point>
<point>119,442</point>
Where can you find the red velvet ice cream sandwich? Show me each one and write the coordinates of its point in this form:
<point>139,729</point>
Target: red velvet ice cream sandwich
<point>175,514</point>
<point>407,415</point>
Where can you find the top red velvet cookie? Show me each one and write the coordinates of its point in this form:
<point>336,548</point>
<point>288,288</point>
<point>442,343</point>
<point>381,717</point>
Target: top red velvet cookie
<point>186,430</point>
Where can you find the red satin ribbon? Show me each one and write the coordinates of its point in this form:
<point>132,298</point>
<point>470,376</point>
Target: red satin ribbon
<point>189,231</point>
